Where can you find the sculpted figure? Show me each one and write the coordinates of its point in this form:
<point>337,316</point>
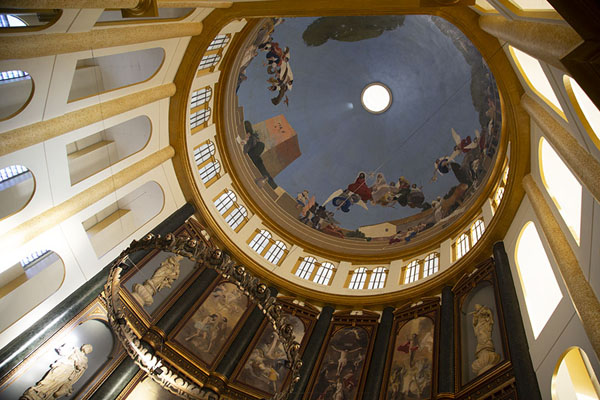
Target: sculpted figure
<point>485,353</point>
<point>163,277</point>
<point>63,374</point>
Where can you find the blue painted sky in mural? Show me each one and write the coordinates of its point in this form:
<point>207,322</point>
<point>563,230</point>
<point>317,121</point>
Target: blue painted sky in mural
<point>430,82</point>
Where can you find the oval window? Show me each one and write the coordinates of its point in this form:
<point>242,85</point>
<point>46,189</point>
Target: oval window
<point>16,89</point>
<point>16,189</point>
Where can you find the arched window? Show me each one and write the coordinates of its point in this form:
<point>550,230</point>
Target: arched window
<point>411,273</point>
<point>462,245</point>
<point>218,42</point>
<point>476,231</point>
<point>16,91</point>
<point>276,251</point>
<point>200,97</point>
<point>260,241</point>
<point>203,152</point>
<point>499,194</point>
<point>17,186</point>
<point>357,281</point>
<point>225,201</point>
<point>538,281</point>
<point>586,110</point>
<point>562,186</point>
<point>306,267</point>
<point>324,273</point>
<point>209,171</point>
<point>431,264</point>
<point>199,118</point>
<point>378,276</point>
<point>21,19</point>
<point>536,79</point>
<point>236,217</point>
<point>209,61</point>
<point>574,377</point>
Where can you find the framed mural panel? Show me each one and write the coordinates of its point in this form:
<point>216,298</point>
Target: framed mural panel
<point>263,369</point>
<point>206,331</point>
<point>154,284</point>
<point>412,358</point>
<point>481,347</point>
<point>74,361</point>
<point>343,363</point>
<point>142,387</point>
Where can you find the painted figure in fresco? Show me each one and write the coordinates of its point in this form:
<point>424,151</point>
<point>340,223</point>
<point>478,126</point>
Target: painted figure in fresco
<point>205,327</point>
<point>63,374</point>
<point>485,352</point>
<point>356,193</point>
<point>343,359</point>
<point>410,347</point>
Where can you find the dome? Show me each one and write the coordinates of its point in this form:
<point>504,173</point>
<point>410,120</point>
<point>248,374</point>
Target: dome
<point>323,168</point>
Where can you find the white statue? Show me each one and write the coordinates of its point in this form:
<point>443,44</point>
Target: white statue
<point>485,353</point>
<point>163,277</point>
<point>63,374</point>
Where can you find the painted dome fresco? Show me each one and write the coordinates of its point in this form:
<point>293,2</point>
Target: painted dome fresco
<point>312,156</point>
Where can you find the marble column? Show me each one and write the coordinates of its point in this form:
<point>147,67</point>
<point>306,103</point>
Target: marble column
<point>57,214</point>
<point>311,353</point>
<point>242,340</point>
<point>20,138</point>
<point>50,44</point>
<point>53,4</point>
<point>548,42</point>
<point>526,380</point>
<point>28,341</point>
<point>583,165</point>
<point>446,363</point>
<point>117,381</point>
<point>379,356</point>
<point>582,295</point>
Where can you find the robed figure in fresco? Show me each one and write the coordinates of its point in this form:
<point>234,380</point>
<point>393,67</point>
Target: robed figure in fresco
<point>63,374</point>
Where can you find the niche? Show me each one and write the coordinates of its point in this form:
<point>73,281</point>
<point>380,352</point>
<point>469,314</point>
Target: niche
<point>115,223</point>
<point>27,283</point>
<point>101,74</point>
<point>96,152</point>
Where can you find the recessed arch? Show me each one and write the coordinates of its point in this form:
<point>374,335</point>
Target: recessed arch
<point>94,153</point>
<point>17,187</point>
<point>562,186</point>
<point>574,377</point>
<point>586,110</point>
<point>535,77</point>
<point>106,73</point>
<point>538,282</point>
<point>27,283</point>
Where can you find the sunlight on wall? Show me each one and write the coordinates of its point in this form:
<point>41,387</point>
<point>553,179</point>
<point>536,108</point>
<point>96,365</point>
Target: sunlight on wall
<point>538,281</point>
<point>585,108</point>
<point>536,79</point>
<point>574,378</point>
<point>562,186</point>
<point>532,5</point>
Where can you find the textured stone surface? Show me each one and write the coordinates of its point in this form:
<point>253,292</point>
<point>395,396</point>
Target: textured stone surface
<point>579,160</point>
<point>546,41</point>
<point>582,295</point>
<point>55,215</point>
<point>39,132</point>
<point>30,46</point>
<point>446,371</point>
